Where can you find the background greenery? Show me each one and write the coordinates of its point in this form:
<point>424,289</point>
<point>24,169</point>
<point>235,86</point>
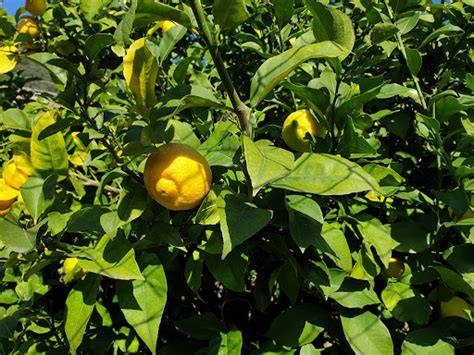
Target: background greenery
<point>287,253</point>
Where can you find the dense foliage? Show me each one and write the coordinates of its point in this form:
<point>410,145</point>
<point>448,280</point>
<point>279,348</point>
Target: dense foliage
<point>363,245</point>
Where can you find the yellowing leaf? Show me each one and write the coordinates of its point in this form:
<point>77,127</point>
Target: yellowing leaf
<point>140,70</point>
<point>8,58</point>
<point>48,154</point>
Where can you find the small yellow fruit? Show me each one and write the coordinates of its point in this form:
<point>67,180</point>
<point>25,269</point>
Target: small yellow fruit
<point>455,308</point>
<point>293,41</point>
<point>167,25</point>
<point>69,265</point>
<point>35,7</point>
<point>395,269</point>
<point>177,177</point>
<point>295,128</point>
<point>8,58</point>
<point>64,47</point>
<point>8,195</point>
<point>29,26</point>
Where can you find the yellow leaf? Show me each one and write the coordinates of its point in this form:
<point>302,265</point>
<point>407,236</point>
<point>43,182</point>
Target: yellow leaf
<point>48,154</point>
<point>9,58</point>
<point>140,70</point>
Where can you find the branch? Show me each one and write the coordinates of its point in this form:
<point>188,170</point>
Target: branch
<point>241,110</point>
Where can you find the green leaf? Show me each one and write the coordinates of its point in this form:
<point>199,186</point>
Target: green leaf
<point>222,145</point>
<point>203,327</point>
<point>150,11</point>
<point>298,325</point>
<point>448,30</point>
<point>229,343</point>
<point>309,349</point>
<point>265,162</point>
<point>414,60</point>
<point>305,222</point>
<point>355,294</point>
<point>15,118</point>
<point>230,271</point>
<point>460,258</point>
<point>49,154</point>
<point>16,238</point>
<point>403,233</point>
<point>340,253</point>
<point>169,41</point>
<point>326,174</point>
<point>454,281</point>
<point>408,23</point>
<point>428,341</point>
<point>405,303</point>
<point>377,235</point>
<point>143,301</point>
<point>330,24</point>
<point>125,27</point>
<point>193,271</point>
<point>91,8</point>
<point>391,90</point>
<point>79,307</point>
<point>96,43</point>
<point>277,68</point>
<point>38,194</point>
<point>232,212</point>
<point>229,13</point>
<point>58,75</point>
<point>382,32</point>
<point>366,334</point>
<point>132,203</point>
<point>283,11</point>
<point>114,258</point>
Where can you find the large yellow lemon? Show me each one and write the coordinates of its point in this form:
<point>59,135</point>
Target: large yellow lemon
<point>35,7</point>
<point>29,26</point>
<point>177,177</point>
<point>295,128</point>
<point>8,195</point>
<point>454,308</point>
<point>395,269</point>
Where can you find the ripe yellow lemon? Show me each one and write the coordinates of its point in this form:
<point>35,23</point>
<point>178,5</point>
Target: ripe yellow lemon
<point>295,128</point>
<point>8,195</point>
<point>29,26</point>
<point>35,7</point>
<point>455,308</point>
<point>395,269</point>
<point>177,177</point>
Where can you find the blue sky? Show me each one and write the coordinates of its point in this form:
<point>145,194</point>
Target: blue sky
<point>13,5</point>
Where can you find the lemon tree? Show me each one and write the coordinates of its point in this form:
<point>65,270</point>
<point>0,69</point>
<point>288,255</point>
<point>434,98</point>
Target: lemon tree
<point>237,177</point>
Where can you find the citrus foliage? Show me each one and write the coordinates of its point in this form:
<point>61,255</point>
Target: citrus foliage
<point>363,243</point>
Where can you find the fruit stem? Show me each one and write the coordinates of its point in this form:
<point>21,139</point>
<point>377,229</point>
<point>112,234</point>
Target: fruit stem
<point>241,110</point>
